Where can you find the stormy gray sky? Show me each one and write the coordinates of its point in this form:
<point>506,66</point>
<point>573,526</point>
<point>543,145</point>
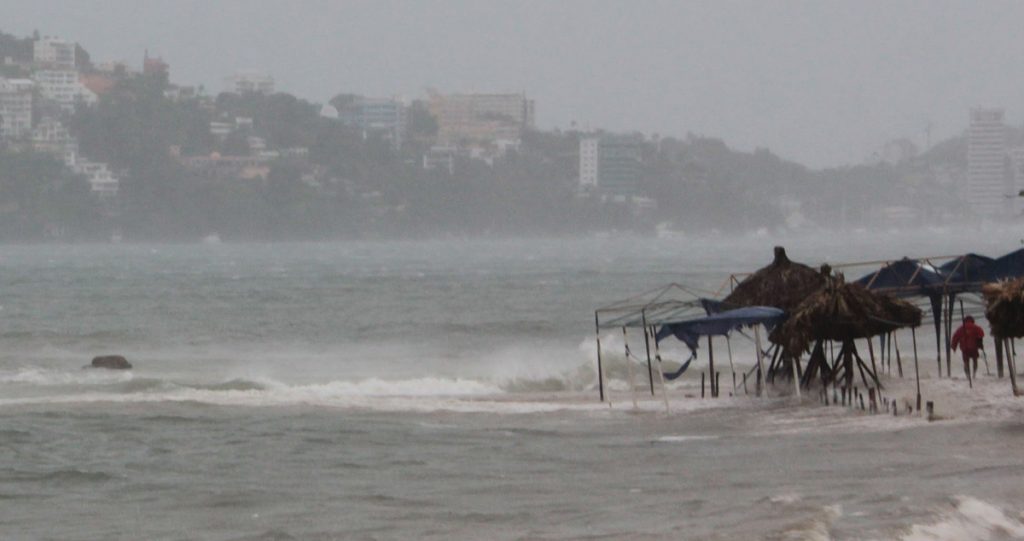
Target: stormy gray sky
<point>824,83</point>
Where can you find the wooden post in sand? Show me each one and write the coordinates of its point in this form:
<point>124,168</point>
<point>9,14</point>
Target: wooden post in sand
<point>1011,365</point>
<point>647,344</point>
<point>600,368</point>
<point>629,366</point>
<point>917,373</point>
<point>760,366</point>
<point>711,367</point>
<point>999,358</point>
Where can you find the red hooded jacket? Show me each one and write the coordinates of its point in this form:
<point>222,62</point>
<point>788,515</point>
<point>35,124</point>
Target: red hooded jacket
<point>968,337</point>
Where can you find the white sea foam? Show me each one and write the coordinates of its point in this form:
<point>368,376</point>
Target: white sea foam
<point>968,518</point>
<point>49,377</point>
<point>682,439</point>
<point>786,498</point>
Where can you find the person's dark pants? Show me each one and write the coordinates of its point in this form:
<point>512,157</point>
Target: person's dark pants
<point>968,357</point>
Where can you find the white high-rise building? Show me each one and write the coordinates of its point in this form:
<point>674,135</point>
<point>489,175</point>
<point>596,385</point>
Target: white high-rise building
<point>15,108</point>
<point>610,164</point>
<point>990,190</point>
<point>588,163</point>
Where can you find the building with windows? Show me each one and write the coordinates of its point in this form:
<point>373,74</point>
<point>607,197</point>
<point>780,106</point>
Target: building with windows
<point>610,165</point>
<point>250,82</point>
<point>466,119</point>
<point>990,189</point>
<point>63,88</point>
<point>386,116</point>
<point>15,108</point>
<point>53,53</point>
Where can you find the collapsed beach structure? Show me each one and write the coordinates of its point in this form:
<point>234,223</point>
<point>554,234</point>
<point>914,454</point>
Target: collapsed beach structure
<point>804,310</point>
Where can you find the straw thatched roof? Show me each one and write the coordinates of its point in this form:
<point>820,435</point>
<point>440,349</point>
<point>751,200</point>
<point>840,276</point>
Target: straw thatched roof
<point>841,311</point>
<point>1005,310</point>
<point>782,284</point>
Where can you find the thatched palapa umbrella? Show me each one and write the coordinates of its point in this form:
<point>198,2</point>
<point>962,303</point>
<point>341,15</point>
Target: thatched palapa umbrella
<point>842,312</point>
<point>783,284</point>
<point>1005,313</point>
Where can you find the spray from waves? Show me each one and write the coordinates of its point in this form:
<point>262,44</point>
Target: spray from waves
<point>968,518</point>
<point>51,377</point>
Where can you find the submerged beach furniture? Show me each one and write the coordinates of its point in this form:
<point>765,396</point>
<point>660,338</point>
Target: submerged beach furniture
<point>844,312</point>
<point>782,284</point>
<point>682,312</point>
<point>1005,314</point>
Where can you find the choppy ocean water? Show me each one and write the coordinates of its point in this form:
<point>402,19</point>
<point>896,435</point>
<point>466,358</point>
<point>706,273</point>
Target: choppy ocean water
<point>446,390</point>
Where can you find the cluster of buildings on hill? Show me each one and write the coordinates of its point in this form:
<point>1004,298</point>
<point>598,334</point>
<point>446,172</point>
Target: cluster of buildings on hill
<point>475,126</point>
<point>31,108</point>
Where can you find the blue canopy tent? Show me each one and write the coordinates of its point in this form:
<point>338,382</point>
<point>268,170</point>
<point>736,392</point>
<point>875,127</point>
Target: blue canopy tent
<point>674,310</point>
<point>909,278</point>
<point>967,272</point>
<point>1010,265</point>
<point>721,323</point>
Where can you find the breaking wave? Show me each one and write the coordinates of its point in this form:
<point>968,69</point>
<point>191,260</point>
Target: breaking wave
<point>969,518</point>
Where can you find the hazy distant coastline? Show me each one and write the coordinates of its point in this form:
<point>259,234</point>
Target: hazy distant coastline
<point>268,166</point>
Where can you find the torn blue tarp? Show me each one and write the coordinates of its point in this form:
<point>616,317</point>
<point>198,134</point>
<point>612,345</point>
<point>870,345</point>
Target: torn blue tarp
<point>689,331</point>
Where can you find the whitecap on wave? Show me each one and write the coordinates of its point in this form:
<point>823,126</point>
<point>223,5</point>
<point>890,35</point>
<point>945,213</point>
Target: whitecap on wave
<point>968,518</point>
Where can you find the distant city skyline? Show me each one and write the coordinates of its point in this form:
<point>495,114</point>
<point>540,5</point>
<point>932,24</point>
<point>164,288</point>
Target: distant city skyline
<point>821,84</point>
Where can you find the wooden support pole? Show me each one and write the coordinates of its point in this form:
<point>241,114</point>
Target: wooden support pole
<point>871,352</point>
<point>796,379</point>
<point>999,358</point>
<point>647,344</point>
<point>711,366</point>
<point>1011,365</point>
<point>718,383</point>
<point>899,361</point>
<point>949,332</point>
<point>917,373</point>
<point>888,352</point>
<point>629,365</point>
<point>760,366</point>
<point>664,388</point>
<point>600,368</point>
<point>702,384</point>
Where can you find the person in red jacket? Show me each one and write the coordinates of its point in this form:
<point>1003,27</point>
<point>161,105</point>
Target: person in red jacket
<point>969,337</point>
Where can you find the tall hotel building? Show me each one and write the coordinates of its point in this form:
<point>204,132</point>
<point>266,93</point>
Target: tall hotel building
<point>990,193</point>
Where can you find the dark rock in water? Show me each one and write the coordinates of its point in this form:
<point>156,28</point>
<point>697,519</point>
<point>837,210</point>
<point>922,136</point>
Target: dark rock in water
<point>113,362</point>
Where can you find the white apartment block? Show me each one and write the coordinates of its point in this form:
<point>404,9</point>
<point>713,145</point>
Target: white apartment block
<point>250,82</point>
<point>990,190</point>
<point>15,108</point>
<point>53,53</point>
<point>588,162</point>
<point>63,88</point>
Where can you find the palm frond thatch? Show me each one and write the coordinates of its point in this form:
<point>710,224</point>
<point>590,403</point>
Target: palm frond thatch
<point>782,284</point>
<point>842,312</point>
<point>1005,307</point>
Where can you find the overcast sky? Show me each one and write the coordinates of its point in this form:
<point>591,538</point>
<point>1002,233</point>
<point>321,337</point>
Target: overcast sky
<point>823,83</point>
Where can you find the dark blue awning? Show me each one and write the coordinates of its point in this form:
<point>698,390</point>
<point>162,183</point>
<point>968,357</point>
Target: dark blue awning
<point>903,278</point>
<point>690,331</point>
<point>1010,265</point>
